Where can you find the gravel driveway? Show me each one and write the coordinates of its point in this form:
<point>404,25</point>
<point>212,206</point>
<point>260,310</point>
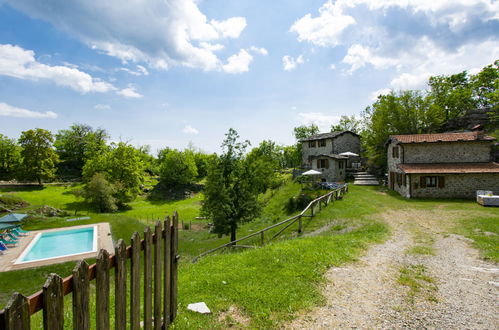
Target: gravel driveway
<point>462,291</point>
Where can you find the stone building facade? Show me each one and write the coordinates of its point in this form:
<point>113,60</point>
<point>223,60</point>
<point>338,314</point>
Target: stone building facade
<point>321,153</point>
<point>447,165</point>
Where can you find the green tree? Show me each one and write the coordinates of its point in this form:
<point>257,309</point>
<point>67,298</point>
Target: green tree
<point>123,166</point>
<point>291,156</point>
<point>347,123</point>
<point>303,132</point>
<point>177,167</point>
<point>10,158</point>
<point>39,159</point>
<point>452,94</point>
<point>75,145</point>
<point>405,112</point>
<point>231,196</point>
<point>99,193</point>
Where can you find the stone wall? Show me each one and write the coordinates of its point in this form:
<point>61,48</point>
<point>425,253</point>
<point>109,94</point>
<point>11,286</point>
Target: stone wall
<point>346,142</point>
<point>342,143</point>
<point>456,152</point>
<point>334,172</point>
<point>456,185</point>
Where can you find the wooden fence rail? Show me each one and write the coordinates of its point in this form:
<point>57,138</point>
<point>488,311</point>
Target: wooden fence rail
<point>158,312</point>
<point>316,203</point>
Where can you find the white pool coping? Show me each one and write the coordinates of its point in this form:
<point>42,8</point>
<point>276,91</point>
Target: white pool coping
<point>37,238</point>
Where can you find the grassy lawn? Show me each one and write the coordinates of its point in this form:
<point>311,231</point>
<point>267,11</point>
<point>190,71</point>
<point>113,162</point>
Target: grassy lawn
<point>263,287</point>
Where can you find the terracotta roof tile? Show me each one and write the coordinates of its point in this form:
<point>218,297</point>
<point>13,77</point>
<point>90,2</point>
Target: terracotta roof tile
<point>444,168</point>
<point>441,137</point>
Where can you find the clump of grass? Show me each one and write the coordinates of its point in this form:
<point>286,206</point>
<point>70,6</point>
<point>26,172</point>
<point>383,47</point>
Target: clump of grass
<point>484,231</point>
<point>423,240</point>
<point>420,284</point>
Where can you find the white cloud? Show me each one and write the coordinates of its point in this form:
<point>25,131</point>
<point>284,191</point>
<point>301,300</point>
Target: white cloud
<point>326,29</point>
<point>261,51</point>
<point>238,63</point>
<point>383,91</point>
<point>188,129</point>
<point>102,107</point>
<point>230,28</point>
<point>318,118</point>
<point>429,38</point>
<point>130,93</point>
<point>11,111</point>
<point>157,32</point>
<point>20,63</point>
<point>141,71</point>
<point>332,66</point>
<point>289,63</point>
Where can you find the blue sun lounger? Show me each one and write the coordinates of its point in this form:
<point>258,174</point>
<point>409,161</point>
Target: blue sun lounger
<point>3,248</point>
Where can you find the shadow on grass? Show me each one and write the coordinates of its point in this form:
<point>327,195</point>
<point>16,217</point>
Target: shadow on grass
<point>162,194</point>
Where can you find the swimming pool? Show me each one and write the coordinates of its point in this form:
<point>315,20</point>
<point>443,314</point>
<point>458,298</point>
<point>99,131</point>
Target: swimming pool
<point>61,243</point>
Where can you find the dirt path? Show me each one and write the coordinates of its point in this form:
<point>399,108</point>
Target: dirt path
<point>455,289</point>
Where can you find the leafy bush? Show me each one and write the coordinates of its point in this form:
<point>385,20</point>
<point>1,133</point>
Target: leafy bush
<point>100,193</point>
<point>12,202</point>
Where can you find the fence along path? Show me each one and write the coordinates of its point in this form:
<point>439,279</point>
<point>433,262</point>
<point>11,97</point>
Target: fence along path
<point>158,312</point>
<point>312,206</point>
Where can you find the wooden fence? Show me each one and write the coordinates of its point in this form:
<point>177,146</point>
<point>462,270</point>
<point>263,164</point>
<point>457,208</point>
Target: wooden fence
<point>159,251</point>
<point>317,203</point>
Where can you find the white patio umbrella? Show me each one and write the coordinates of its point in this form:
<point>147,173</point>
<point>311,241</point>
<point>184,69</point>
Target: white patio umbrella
<point>348,154</point>
<point>311,172</point>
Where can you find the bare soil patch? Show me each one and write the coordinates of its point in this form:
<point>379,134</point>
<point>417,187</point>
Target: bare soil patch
<point>453,287</point>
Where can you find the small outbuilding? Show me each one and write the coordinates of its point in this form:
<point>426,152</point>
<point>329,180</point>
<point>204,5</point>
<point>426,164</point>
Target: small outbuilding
<point>444,165</point>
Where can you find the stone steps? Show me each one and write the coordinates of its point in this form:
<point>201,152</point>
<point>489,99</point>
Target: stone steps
<point>365,179</point>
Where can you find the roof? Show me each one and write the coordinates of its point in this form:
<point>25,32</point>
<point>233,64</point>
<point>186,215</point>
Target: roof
<point>329,135</point>
<point>449,168</point>
<point>12,217</point>
<point>441,137</point>
<point>334,156</point>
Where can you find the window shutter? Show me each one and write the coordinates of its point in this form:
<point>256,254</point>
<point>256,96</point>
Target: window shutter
<point>441,182</point>
<point>318,163</point>
<point>327,163</point>
<point>403,180</point>
<point>393,152</point>
<point>422,182</point>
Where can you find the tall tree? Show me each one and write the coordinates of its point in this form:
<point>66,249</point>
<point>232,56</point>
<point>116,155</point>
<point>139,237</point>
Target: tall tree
<point>75,145</point>
<point>304,131</point>
<point>176,167</point>
<point>39,159</point>
<point>122,166</point>
<point>231,197</point>
<point>347,123</point>
<point>10,158</point>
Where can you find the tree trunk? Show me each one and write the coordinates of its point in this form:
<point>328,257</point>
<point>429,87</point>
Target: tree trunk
<point>39,181</point>
<point>233,234</point>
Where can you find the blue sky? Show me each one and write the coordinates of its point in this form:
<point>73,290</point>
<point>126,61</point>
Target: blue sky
<point>170,72</point>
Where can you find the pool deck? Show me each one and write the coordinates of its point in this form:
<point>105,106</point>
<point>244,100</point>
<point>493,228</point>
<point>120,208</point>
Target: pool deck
<point>104,241</point>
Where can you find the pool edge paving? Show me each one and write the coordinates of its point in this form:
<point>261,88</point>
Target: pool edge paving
<point>104,241</point>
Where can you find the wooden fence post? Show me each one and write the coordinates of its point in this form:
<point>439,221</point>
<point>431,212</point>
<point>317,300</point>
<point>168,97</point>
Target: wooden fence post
<point>262,238</point>
<point>135,283</point>
<point>120,286</point>
<point>158,266</point>
<point>299,225</point>
<point>167,271</point>
<point>53,303</point>
<point>16,315</point>
<point>174,268</point>
<point>102,290</point>
<point>147,279</point>
<point>81,313</point>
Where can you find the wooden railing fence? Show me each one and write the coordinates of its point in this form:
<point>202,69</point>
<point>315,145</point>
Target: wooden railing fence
<point>159,251</point>
<point>319,202</point>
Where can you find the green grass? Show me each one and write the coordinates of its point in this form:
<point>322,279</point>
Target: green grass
<point>265,285</point>
<point>484,231</point>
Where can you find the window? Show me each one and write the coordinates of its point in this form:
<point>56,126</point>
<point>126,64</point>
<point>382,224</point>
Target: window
<point>311,144</point>
<point>322,163</point>
<point>321,143</point>
<point>395,152</point>
<point>432,181</point>
<point>341,164</point>
<point>401,179</point>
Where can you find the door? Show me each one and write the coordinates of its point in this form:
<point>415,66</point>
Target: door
<point>392,180</point>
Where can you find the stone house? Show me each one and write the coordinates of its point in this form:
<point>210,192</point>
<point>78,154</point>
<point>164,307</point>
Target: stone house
<point>321,153</point>
<point>444,165</point>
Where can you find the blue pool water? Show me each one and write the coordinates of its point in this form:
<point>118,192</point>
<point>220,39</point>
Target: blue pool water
<point>61,243</point>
